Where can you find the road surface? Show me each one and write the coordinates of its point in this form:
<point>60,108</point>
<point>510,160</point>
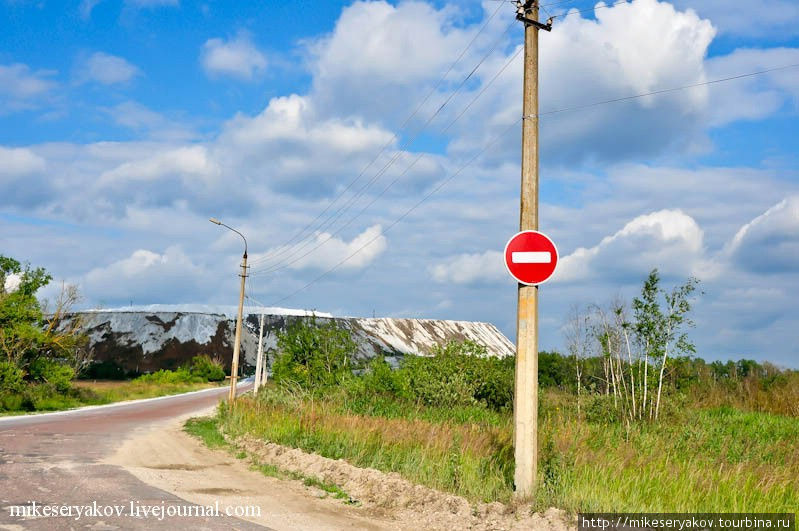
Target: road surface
<point>56,461</point>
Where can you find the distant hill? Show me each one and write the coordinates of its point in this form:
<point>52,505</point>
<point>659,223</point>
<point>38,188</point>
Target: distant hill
<point>145,339</point>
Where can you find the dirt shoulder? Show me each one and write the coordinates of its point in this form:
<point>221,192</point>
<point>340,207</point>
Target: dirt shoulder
<point>168,458</point>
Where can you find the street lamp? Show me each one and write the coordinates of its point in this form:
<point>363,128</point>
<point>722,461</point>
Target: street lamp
<point>234,367</point>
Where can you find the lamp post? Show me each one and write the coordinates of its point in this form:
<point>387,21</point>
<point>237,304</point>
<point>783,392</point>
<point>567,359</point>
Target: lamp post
<point>234,367</point>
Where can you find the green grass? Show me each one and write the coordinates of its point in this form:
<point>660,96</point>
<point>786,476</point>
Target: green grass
<point>207,430</point>
<point>695,460</point>
<point>85,393</point>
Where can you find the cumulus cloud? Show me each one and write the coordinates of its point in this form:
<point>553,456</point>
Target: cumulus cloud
<point>22,88</point>
<point>380,59</point>
<point>11,283</point>
<point>471,268</point>
<point>758,96</point>
<point>668,239</point>
<point>15,162</point>
<point>145,274</point>
<point>325,251</point>
<point>770,242</point>
<point>108,69</point>
<point>22,181</point>
<point>186,162</point>
<point>294,151</point>
<point>238,58</point>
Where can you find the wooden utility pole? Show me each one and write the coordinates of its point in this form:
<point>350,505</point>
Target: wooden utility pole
<point>258,361</point>
<point>234,369</point>
<point>234,365</point>
<point>525,404</point>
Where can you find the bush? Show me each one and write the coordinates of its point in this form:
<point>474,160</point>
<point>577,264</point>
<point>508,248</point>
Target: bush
<point>206,368</point>
<point>460,374</point>
<point>312,355</point>
<point>52,372</point>
<point>380,378</point>
<point>11,402</point>
<point>181,375</point>
<point>11,377</point>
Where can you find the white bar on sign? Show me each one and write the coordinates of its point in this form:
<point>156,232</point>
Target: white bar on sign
<point>536,257</point>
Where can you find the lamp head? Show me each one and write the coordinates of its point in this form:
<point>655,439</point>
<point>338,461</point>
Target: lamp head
<point>215,221</point>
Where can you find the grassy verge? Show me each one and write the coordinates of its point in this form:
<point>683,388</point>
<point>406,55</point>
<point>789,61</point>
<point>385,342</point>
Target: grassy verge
<point>717,460</point>
<point>207,430</point>
<point>107,392</point>
<point>86,393</point>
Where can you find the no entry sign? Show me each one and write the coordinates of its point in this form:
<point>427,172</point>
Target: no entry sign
<point>531,257</point>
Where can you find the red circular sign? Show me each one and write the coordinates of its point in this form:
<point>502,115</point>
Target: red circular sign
<point>531,257</point>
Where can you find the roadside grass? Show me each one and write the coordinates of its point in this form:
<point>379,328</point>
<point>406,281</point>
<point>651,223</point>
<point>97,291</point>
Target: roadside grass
<point>107,392</point>
<point>695,460</point>
<point>87,393</point>
<point>207,430</point>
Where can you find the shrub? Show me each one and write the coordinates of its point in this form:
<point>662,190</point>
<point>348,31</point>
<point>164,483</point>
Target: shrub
<point>181,375</point>
<point>313,355</point>
<point>206,368</point>
<point>460,374</point>
<point>380,378</point>
<point>11,377</point>
<point>11,402</point>
<point>52,372</point>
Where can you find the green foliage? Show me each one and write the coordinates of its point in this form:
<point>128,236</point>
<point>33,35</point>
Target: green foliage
<point>207,369</point>
<point>459,374</point>
<point>52,372</point>
<point>314,355</point>
<point>10,377</point>
<point>34,371</point>
<point>181,375</point>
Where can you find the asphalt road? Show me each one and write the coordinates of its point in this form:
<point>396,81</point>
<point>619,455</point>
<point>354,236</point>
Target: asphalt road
<point>55,460</point>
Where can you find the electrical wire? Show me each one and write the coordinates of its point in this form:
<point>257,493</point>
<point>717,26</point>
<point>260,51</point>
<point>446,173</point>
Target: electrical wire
<point>392,139</point>
<point>396,179</point>
<point>403,216</point>
<point>496,139</point>
<point>663,91</point>
<point>290,253</point>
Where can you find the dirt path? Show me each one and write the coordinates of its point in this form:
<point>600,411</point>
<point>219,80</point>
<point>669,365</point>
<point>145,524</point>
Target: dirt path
<point>169,459</point>
<point>166,457</point>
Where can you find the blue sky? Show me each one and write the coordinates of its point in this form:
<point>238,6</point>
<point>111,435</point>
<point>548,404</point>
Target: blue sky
<point>124,125</point>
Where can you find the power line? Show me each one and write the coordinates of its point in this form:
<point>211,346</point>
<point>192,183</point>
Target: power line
<point>664,91</point>
<point>497,138</point>
<point>586,10</point>
<point>340,212</point>
<point>396,179</point>
<point>403,216</point>
<point>394,136</point>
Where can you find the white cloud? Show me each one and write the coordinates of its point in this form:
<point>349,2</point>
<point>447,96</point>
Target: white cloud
<point>669,240</point>
<point>325,251</point>
<point>471,268</point>
<point>770,242</point>
<point>108,69</point>
<point>16,162</point>
<point>183,161</point>
<point>755,97</point>
<point>156,277</point>
<point>237,57</point>
<point>11,283</point>
<point>22,88</point>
